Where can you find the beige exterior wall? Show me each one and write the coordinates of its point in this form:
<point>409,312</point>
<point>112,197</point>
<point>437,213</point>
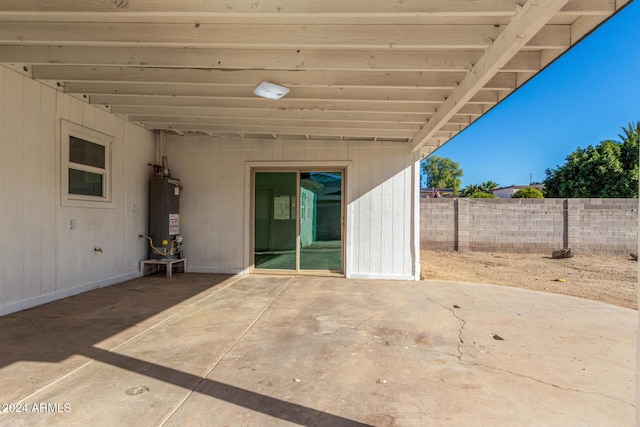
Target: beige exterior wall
<point>42,257</point>
<point>45,258</point>
<point>381,195</point>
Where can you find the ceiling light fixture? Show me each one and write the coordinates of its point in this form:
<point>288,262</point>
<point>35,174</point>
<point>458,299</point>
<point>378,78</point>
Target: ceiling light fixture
<point>270,90</point>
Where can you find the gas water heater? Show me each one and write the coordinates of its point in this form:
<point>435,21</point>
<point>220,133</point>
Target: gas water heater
<point>164,218</point>
<point>164,237</point>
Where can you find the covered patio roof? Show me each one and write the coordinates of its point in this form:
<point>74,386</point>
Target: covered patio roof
<point>411,71</point>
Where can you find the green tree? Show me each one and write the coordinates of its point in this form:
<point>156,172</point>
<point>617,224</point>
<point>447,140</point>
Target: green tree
<point>442,172</point>
<point>528,193</point>
<point>609,169</point>
<point>484,187</point>
<point>629,150</point>
<point>481,195</point>
<point>469,190</point>
<point>489,186</point>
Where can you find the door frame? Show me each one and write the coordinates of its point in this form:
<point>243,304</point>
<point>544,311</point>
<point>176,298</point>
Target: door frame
<point>300,166</point>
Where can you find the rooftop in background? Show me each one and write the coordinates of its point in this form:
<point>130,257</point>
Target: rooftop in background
<point>507,192</point>
<point>433,193</point>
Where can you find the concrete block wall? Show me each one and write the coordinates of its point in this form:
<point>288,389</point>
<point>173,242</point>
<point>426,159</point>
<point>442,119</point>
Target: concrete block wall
<point>603,226</point>
<point>515,225</point>
<point>438,225</point>
<point>588,226</point>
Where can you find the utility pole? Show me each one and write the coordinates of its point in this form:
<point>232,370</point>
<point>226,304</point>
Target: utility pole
<point>530,178</point>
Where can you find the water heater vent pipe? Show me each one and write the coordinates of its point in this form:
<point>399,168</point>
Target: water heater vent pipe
<point>163,153</point>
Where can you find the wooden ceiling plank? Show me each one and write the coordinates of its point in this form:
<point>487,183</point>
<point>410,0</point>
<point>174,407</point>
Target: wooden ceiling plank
<point>224,113</point>
<point>292,109</point>
<point>308,94</point>
<point>523,27</point>
<point>263,19</point>
<point>350,121</point>
<point>287,130</point>
<point>251,78</point>
<point>299,94</point>
<point>247,36</point>
<point>347,107</point>
<point>588,7</point>
<point>584,25</point>
<point>524,62</point>
<point>265,59</point>
<point>349,8</point>
<point>265,122</point>
<point>434,98</point>
<point>270,119</point>
<point>382,95</point>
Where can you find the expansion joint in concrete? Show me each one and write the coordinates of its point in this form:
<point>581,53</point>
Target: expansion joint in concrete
<point>92,358</point>
<point>228,349</point>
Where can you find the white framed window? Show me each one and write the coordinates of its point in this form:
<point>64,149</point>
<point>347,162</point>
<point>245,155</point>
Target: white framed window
<point>85,166</point>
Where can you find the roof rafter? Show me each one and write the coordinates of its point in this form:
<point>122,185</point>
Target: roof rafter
<point>268,59</point>
<point>347,132</point>
<point>245,36</point>
<point>149,111</point>
<point>377,79</point>
<point>370,101</point>
<point>523,27</point>
<point>276,9</point>
<point>210,93</point>
<point>367,121</point>
<point>409,70</point>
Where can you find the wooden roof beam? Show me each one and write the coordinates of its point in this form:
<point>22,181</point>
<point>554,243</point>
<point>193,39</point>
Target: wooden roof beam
<point>226,80</point>
<point>319,131</point>
<point>113,11</point>
<point>385,96</point>
<point>245,36</point>
<point>529,20</point>
<point>225,113</point>
<point>406,96</point>
<point>202,95</point>
<point>371,121</point>
<point>186,121</point>
<point>267,59</point>
<point>210,106</point>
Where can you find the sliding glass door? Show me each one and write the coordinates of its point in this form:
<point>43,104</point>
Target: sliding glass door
<point>298,236</point>
<point>275,220</point>
<point>321,221</point>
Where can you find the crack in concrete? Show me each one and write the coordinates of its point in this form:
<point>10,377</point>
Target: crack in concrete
<point>549,384</point>
<point>460,330</point>
<point>459,357</point>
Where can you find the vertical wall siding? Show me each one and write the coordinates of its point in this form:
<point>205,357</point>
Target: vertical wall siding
<point>379,200</point>
<point>43,259</point>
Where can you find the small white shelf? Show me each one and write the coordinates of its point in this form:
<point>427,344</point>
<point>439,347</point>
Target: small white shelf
<point>168,264</point>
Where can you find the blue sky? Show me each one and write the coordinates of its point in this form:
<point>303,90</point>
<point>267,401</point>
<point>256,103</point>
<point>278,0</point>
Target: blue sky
<point>581,99</point>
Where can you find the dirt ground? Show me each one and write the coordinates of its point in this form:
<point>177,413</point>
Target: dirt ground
<point>608,279</point>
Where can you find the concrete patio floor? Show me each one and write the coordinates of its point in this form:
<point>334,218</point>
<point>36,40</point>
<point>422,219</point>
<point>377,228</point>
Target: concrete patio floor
<point>201,349</point>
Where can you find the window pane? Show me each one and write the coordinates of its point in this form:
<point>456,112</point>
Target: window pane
<point>86,153</point>
<point>321,221</point>
<point>85,183</point>
<point>275,220</point>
